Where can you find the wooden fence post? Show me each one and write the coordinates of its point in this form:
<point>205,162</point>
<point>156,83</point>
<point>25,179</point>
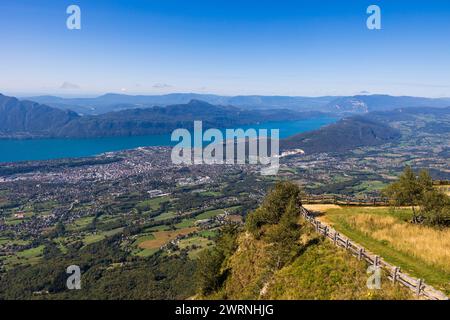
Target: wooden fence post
<point>347,243</point>
<point>360,253</point>
<point>419,286</point>
<point>335,237</point>
<point>375,263</point>
<point>396,271</point>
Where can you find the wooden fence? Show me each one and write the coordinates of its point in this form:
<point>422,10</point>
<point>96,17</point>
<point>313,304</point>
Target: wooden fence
<point>344,200</point>
<point>394,274</point>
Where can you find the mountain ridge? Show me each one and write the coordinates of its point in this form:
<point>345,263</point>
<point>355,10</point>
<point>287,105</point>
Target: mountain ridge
<point>27,119</point>
<point>334,104</point>
<point>346,134</point>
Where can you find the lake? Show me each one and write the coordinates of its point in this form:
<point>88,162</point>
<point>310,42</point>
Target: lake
<point>44,149</point>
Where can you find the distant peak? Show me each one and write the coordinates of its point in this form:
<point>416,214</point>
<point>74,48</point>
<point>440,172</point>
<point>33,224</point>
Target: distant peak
<point>197,102</point>
<point>112,95</point>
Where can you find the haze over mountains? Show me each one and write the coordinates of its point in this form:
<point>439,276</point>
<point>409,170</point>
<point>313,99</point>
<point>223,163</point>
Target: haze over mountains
<point>342,105</point>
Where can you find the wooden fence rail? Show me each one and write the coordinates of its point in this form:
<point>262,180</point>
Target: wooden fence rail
<point>344,200</point>
<point>394,274</point>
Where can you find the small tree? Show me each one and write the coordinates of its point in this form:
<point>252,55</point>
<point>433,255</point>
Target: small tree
<point>418,191</point>
<point>284,235</point>
<point>273,207</point>
<point>407,191</point>
<point>277,222</point>
<point>425,181</point>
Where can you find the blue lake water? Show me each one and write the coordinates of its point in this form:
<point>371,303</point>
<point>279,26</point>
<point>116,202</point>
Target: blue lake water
<point>44,149</point>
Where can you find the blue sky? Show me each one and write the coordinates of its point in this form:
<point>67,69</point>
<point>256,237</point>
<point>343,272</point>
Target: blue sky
<point>226,47</point>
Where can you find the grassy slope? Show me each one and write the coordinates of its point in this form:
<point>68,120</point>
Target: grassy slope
<point>417,264</point>
<point>322,271</point>
<point>325,272</point>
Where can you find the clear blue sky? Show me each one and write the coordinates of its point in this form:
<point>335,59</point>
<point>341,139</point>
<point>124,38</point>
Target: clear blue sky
<point>227,47</point>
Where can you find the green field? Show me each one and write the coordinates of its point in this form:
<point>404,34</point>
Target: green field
<point>209,193</point>
<point>12,221</point>
<point>144,253</point>
<point>144,237</point>
<point>212,213</point>
<point>18,242</point>
<point>80,223</point>
<point>157,228</point>
<point>25,257</point>
<point>209,214</point>
<point>92,238</point>
<point>195,245</point>
<point>209,233</point>
<point>152,204</point>
<point>369,186</point>
<point>186,223</point>
<point>31,253</point>
<point>166,215</point>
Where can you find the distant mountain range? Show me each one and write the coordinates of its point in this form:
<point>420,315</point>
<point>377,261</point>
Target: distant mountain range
<point>371,129</point>
<point>116,102</point>
<point>371,103</point>
<point>340,105</point>
<point>26,119</point>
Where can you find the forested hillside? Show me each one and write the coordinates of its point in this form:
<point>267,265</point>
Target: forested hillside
<point>347,134</point>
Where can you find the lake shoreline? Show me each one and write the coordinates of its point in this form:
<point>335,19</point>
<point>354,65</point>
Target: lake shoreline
<point>41,149</point>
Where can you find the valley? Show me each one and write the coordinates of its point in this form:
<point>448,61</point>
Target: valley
<point>128,211</point>
<point>224,159</point>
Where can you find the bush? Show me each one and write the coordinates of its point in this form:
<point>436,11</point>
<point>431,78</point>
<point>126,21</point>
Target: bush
<point>208,271</point>
<point>435,208</point>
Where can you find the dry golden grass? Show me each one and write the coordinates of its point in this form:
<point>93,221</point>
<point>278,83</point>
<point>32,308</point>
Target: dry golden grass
<point>444,189</point>
<point>163,237</point>
<point>321,207</point>
<point>429,244</point>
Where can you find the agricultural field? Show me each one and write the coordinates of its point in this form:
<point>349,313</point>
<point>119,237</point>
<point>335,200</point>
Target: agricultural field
<point>163,237</point>
<point>166,215</point>
<point>421,251</point>
<point>212,213</point>
<point>80,223</point>
<point>195,245</point>
<point>152,204</point>
<point>98,236</point>
<point>369,186</point>
<point>25,257</point>
<point>210,193</point>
